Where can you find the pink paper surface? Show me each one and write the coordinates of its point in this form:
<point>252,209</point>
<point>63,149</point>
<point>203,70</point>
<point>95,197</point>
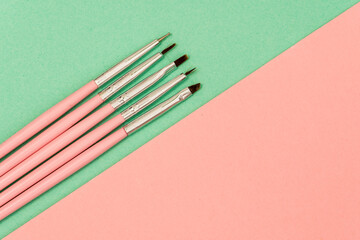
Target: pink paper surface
<point>274,157</point>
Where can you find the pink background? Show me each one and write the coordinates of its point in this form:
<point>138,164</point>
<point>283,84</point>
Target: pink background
<point>274,157</point>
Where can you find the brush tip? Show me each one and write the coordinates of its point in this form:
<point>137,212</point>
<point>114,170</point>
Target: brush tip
<point>181,60</point>
<point>190,71</point>
<point>194,88</point>
<point>163,37</point>
<point>168,49</point>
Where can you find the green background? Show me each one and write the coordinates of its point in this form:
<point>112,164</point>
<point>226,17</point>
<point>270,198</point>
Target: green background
<point>48,49</point>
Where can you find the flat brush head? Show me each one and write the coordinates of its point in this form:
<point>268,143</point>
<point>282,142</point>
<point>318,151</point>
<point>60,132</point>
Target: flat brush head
<point>168,49</point>
<point>194,88</point>
<point>181,60</point>
<point>190,71</point>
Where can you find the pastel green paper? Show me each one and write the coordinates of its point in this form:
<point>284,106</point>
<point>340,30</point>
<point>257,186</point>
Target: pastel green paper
<point>48,49</point>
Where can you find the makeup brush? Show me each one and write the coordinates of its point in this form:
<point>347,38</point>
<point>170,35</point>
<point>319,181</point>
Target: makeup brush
<point>62,107</point>
<point>86,141</point>
<point>69,120</point>
<point>83,126</point>
<point>92,153</point>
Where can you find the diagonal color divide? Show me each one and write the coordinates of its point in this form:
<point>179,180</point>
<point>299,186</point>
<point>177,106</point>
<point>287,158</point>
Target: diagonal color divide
<point>279,162</point>
<point>60,46</point>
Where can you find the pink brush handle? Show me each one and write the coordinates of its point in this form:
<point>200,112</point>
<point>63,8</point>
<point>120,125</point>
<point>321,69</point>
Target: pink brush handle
<point>60,159</point>
<point>49,134</point>
<point>62,173</point>
<point>45,119</point>
<point>55,146</point>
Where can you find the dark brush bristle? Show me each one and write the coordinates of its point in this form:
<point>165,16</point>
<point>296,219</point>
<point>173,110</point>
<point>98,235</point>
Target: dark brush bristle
<point>194,88</point>
<point>190,71</point>
<point>168,49</point>
<point>181,60</point>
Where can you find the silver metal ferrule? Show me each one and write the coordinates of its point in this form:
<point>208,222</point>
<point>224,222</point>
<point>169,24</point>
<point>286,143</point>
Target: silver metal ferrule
<point>127,78</point>
<point>151,97</point>
<point>121,66</point>
<point>142,86</point>
<point>157,111</point>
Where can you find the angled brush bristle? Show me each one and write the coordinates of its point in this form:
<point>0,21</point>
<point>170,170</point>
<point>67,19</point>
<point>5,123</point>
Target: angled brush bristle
<point>181,60</point>
<point>194,88</point>
<point>190,71</point>
<point>168,49</point>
